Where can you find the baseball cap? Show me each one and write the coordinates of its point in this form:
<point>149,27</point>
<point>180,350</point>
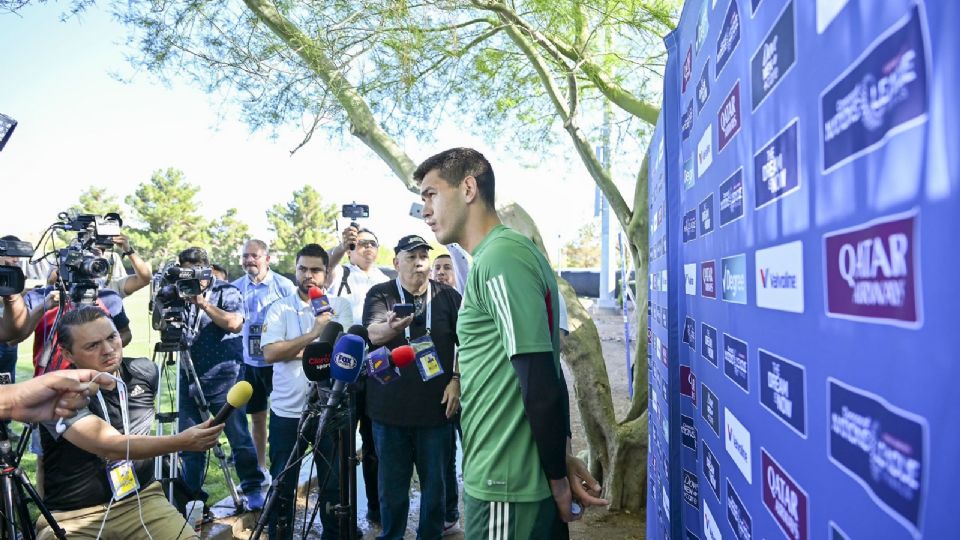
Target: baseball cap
<point>411,242</point>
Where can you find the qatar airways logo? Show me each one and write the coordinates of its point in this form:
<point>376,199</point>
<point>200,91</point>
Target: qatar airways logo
<point>784,498</point>
<point>728,118</point>
<point>871,272</point>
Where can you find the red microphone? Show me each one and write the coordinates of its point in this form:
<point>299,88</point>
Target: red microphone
<point>403,356</point>
<point>319,301</point>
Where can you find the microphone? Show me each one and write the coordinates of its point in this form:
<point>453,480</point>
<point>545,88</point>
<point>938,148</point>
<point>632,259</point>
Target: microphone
<point>237,398</point>
<point>319,302</point>
<point>316,355</point>
<point>345,366</point>
<point>384,365</point>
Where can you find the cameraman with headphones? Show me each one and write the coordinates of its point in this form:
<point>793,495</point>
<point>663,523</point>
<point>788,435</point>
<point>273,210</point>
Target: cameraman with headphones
<point>217,353</point>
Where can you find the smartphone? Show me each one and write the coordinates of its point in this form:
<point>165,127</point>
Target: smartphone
<point>355,211</point>
<point>403,310</point>
<point>416,210</point>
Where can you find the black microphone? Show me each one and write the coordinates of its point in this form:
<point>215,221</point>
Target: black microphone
<point>316,355</point>
<point>360,330</point>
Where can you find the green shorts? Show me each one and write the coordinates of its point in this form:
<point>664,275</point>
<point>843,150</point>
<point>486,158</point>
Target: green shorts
<point>497,520</point>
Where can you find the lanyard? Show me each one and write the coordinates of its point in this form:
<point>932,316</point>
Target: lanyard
<point>122,394</point>
<point>429,307</point>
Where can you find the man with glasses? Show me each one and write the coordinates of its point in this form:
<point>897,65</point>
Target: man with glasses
<point>260,287</point>
<point>352,281</point>
<point>217,315</point>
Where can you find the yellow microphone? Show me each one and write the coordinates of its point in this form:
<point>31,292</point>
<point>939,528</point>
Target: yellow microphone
<point>237,397</point>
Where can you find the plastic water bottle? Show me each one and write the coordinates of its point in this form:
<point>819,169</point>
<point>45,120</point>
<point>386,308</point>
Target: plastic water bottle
<point>194,513</point>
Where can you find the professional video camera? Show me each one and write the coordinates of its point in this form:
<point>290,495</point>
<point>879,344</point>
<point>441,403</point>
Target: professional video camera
<point>80,264</point>
<point>171,287</point>
<point>11,277</point>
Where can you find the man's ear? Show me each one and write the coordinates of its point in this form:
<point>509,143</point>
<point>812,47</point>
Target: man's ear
<point>468,187</point>
<point>396,263</point>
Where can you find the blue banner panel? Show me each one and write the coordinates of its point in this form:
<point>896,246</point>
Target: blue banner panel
<point>810,191</point>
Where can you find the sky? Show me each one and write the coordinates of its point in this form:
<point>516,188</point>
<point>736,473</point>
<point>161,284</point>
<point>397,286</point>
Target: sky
<point>79,126</point>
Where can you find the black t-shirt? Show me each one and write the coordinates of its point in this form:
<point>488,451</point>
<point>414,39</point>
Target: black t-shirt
<point>75,478</point>
<point>409,401</point>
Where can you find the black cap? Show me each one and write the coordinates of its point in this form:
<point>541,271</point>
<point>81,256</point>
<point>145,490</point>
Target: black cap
<point>411,242</point>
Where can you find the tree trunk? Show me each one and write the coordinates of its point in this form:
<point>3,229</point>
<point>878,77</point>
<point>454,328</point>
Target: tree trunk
<point>618,451</point>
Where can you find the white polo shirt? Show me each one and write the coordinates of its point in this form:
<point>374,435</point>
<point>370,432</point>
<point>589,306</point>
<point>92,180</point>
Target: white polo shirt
<point>359,283</point>
<point>289,318</point>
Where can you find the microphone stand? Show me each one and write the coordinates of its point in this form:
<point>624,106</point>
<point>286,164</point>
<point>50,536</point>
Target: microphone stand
<point>347,509</point>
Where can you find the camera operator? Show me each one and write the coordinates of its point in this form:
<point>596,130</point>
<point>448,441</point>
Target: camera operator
<point>411,416</point>
<point>260,287</point>
<point>352,281</point>
<point>99,475</point>
<point>142,272</point>
<point>217,355</point>
<point>290,326</point>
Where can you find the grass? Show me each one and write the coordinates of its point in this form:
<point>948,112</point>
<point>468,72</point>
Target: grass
<point>141,345</point>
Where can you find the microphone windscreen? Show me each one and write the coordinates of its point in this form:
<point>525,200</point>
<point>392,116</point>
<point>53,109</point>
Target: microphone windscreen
<point>316,361</point>
<point>314,293</point>
<point>360,330</point>
<point>239,395</point>
<point>403,356</point>
<point>347,359</point>
<point>330,332</point>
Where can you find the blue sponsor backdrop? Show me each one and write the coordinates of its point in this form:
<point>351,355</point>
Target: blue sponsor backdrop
<point>833,128</point>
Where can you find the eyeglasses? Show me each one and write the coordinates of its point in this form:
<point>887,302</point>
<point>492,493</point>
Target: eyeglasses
<point>254,256</point>
<point>367,243</point>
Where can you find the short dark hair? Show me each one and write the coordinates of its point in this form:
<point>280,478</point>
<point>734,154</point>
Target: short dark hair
<point>313,250</point>
<point>194,255</point>
<point>10,238</point>
<point>442,255</point>
<point>219,268</point>
<point>76,317</point>
<point>455,164</point>
<point>368,231</point>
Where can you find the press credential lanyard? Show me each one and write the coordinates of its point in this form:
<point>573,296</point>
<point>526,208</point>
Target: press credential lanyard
<point>429,307</point>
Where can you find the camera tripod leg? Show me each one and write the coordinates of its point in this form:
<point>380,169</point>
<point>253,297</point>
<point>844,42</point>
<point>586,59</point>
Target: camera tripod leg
<point>204,408</point>
<point>6,488</point>
<point>24,484</point>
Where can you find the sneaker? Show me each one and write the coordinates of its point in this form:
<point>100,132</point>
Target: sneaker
<point>450,528</point>
<point>254,501</point>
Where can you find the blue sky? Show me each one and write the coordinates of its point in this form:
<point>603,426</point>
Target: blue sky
<point>79,127</point>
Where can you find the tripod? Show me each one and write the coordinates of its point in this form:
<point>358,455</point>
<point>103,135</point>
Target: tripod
<point>178,356</point>
<point>15,489</point>
<point>340,412</point>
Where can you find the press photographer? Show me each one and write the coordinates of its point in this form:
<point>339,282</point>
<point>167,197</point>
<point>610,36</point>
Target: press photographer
<point>212,317</point>
<point>99,463</point>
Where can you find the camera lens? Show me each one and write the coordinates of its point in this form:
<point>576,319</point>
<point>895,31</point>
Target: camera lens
<point>95,267</point>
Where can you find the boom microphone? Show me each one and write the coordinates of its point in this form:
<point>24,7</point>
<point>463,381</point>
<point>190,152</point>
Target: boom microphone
<point>237,398</point>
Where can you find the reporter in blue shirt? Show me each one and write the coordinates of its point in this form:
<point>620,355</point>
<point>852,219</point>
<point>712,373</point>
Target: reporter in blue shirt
<point>259,287</point>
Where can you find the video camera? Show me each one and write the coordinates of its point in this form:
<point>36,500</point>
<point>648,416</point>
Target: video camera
<point>80,264</point>
<point>12,280</point>
<point>171,287</point>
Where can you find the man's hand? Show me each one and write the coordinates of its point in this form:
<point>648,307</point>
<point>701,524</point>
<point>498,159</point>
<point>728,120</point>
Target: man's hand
<point>200,437</point>
<point>560,489</point>
<point>349,236</point>
<point>54,395</point>
<point>52,300</point>
<point>451,397</point>
<point>319,323</point>
<point>122,241</point>
<point>585,488</point>
<point>397,324</point>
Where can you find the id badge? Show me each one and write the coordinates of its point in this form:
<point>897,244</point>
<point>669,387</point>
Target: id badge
<point>122,480</point>
<point>253,340</point>
<point>428,362</point>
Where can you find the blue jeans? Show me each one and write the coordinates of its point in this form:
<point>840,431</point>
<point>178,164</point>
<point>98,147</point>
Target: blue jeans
<point>215,384</point>
<point>451,504</point>
<point>8,363</point>
<point>283,438</point>
<point>399,450</point>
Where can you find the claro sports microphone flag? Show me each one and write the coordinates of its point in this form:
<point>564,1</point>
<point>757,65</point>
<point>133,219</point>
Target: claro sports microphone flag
<point>803,183</point>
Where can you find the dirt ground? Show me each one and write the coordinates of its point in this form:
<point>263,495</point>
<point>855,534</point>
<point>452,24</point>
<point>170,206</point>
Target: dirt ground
<point>597,524</point>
